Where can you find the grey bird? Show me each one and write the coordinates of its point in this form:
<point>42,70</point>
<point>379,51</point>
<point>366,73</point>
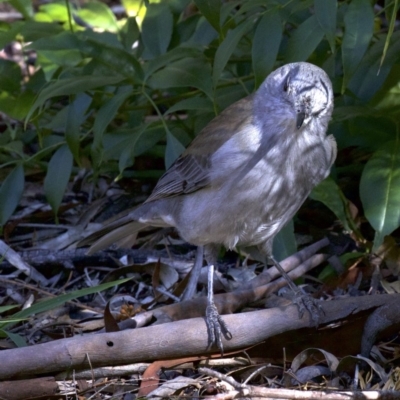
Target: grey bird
<point>244,176</point>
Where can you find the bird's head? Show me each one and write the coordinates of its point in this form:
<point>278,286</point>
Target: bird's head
<point>300,92</point>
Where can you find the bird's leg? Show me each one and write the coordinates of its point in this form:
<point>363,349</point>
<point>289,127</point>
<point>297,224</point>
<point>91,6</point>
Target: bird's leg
<point>302,300</point>
<point>194,274</point>
<point>285,275</point>
<point>216,326</point>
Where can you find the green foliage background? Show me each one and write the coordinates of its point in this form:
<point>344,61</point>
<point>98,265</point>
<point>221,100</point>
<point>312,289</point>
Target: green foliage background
<point>100,81</point>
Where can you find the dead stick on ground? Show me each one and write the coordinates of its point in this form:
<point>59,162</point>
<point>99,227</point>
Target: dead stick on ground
<point>172,340</point>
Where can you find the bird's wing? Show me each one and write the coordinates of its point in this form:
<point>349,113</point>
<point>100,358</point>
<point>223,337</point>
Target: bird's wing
<point>189,173</point>
<point>192,170</point>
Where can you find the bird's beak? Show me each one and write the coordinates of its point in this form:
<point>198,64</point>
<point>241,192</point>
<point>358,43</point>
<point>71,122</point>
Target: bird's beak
<point>301,115</point>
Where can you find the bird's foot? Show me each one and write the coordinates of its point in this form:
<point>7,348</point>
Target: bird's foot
<point>305,302</point>
<point>216,327</point>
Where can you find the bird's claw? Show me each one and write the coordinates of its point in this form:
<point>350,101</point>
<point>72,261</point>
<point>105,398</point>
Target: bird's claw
<point>305,302</point>
<point>216,327</point>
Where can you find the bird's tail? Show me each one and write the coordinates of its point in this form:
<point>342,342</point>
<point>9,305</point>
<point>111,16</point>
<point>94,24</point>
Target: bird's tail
<point>121,231</point>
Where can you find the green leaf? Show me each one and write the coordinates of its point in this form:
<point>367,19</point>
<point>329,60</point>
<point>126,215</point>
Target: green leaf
<point>157,29</point>
<point>61,41</point>
<point>204,33</point>
<point>131,142</point>
<point>126,158</point>
<point>329,193</point>
<point>229,8</point>
<point>128,153</point>
<point>118,60</point>
<point>174,149</point>
<point>388,97</point>
<point>284,244</point>
<point>10,76</point>
<point>28,30</point>
<point>359,25</point>
<point>130,33</point>
<point>7,308</point>
<point>392,19</point>
<point>25,7</point>
<point>54,12</point>
<point>75,117</point>
<point>266,42</point>
<point>149,139</point>
<point>10,193</point>
<point>194,103</point>
<point>211,9</point>
<point>69,86</point>
<point>189,72</point>
<point>380,191</point>
<point>371,75</point>
<point>17,339</point>
<point>11,147</point>
<point>57,177</point>
<point>135,8</point>
<point>33,30</point>
<point>98,15</point>
<point>227,94</point>
<point>173,55</point>
<point>103,118</point>
<point>304,40</point>
<point>362,131</point>
<point>50,60</point>
<point>325,11</point>
<point>8,33</point>
<point>390,7</point>
<point>23,104</point>
<point>227,47</point>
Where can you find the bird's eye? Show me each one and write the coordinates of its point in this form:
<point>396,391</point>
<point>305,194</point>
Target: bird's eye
<point>286,86</point>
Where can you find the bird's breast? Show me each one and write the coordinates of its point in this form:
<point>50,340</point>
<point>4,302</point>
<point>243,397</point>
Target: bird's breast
<point>251,209</point>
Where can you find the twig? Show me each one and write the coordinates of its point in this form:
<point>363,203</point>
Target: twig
<point>14,259</point>
<point>249,391</point>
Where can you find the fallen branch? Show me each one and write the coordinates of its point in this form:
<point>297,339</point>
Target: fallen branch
<point>172,340</point>
<point>28,388</point>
